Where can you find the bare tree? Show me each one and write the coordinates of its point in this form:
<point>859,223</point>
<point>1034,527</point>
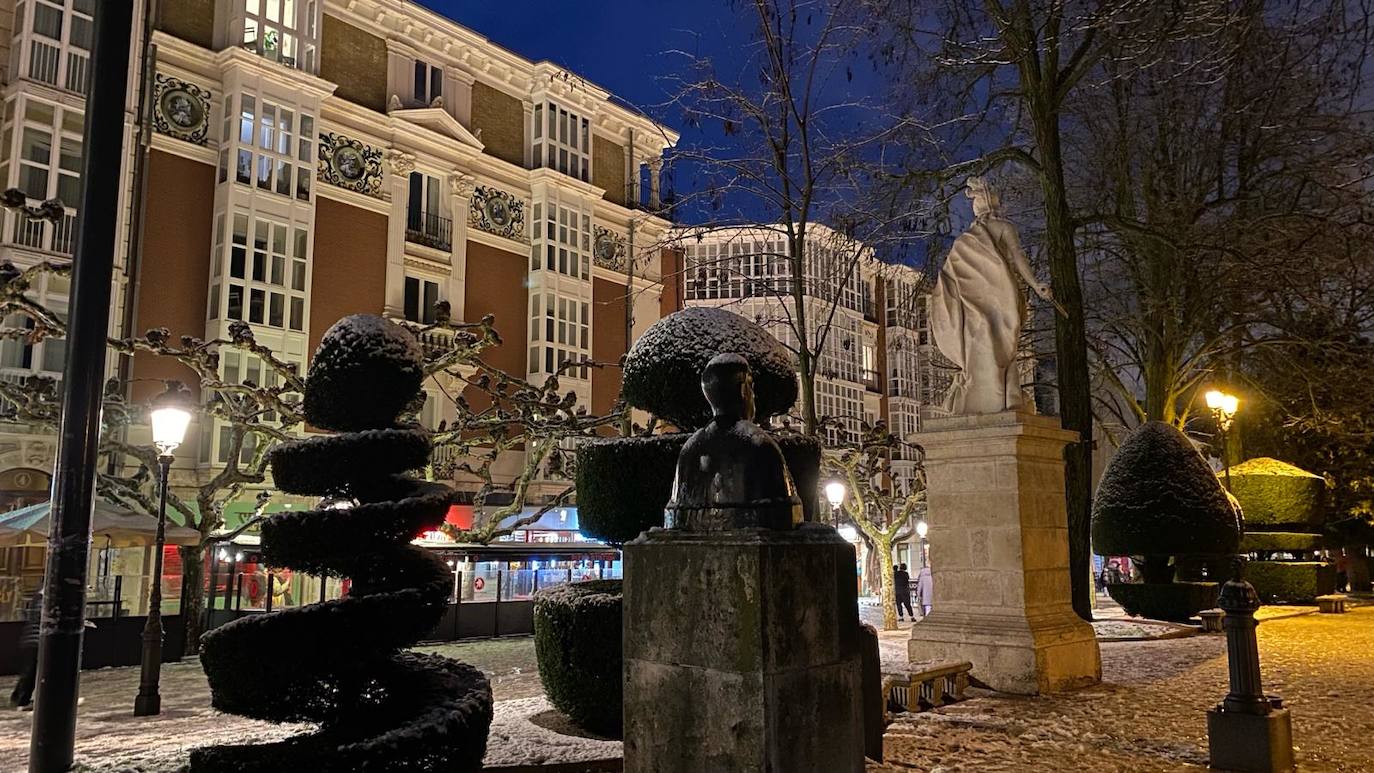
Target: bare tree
<point>875,503</point>
<point>795,151</point>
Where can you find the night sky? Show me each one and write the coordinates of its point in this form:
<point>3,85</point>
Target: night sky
<point>621,45</point>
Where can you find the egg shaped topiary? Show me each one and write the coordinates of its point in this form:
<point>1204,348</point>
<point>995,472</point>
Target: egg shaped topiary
<point>366,371</point>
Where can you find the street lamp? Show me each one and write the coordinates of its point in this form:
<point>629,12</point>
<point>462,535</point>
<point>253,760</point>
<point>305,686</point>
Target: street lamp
<point>834,494</point>
<point>1223,407</point>
<point>170,415</point>
<point>922,528</point>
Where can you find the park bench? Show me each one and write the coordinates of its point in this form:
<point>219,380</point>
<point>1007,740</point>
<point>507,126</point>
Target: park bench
<point>927,689</point>
<point>1331,604</point>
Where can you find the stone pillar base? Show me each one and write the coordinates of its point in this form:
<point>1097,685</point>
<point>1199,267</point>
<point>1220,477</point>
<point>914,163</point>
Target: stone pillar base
<point>999,555</point>
<point>742,652</point>
<point>1253,743</point>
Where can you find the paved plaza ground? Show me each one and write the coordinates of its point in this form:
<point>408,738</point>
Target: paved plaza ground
<point>1147,716</point>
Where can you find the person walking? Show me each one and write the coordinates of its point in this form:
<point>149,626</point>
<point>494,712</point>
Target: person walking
<point>22,697</point>
<point>902,580</point>
<point>924,589</point>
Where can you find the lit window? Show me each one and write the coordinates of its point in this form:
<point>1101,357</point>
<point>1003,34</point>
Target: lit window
<point>562,141</point>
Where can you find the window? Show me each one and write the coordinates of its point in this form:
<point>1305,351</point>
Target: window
<point>282,31</point>
<point>425,223</point>
<point>48,356</point>
<point>429,83</point>
<point>420,297</point>
<point>562,141</point>
<point>47,165</point>
<point>276,148</point>
<point>560,329</point>
<point>562,241</point>
<point>58,52</point>
<point>266,273</point>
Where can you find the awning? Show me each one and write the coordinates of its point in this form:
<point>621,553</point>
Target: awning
<point>117,526</point>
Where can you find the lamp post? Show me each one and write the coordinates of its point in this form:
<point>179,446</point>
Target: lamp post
<point>922,529</point>
<point>1223,407</point>
<point>170,416</point>
<point>834,494</point>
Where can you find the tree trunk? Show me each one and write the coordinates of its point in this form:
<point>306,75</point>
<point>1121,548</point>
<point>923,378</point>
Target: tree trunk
<point>889,589</point>
<point>1156,569</point>
<point>1071,348</point>
<point>193,594</point>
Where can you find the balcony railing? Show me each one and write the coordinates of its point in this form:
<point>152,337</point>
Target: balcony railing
<point>43,61</point>
<point>872,381</point>
<point>78,72</point>
<point>58,237</point>
<point>430,230</point>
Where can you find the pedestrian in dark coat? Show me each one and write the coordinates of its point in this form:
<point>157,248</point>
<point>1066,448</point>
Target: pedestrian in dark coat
<point>902,580</point>
<point>28,652</point>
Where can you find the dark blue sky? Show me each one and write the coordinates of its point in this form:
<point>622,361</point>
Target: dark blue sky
<point>621,45</point>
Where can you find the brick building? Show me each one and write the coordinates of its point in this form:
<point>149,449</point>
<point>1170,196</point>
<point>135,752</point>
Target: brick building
<point>309,159</point>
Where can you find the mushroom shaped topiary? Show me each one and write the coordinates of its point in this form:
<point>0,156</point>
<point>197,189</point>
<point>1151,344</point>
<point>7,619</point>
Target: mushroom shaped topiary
<point>663,369</point>
<point>1158,498</point>
<point>344,664</point>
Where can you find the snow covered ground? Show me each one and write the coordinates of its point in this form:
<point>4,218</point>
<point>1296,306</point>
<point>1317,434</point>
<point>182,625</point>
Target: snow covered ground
<point>1149,713</point>
<point>1147,716</point>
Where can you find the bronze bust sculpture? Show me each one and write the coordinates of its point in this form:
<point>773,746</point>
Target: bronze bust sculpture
<point>731,473</point>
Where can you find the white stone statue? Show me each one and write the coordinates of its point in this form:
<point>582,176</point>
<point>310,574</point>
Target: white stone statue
<point>977,309</point>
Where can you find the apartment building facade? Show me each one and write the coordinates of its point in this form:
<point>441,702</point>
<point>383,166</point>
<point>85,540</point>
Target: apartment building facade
<point>309,159</point>
<point>877,360</point>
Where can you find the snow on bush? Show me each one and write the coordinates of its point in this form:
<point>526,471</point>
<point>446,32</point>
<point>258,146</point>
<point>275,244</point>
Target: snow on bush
<point>663,369</point>
<point>577,629</point>
<point>1275,492</point>
<point>1158,497</point>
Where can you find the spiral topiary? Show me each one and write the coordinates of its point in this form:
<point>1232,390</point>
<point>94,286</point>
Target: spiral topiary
<point>378,708</point>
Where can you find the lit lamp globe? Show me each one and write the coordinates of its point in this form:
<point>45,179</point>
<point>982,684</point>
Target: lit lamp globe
<point>1223,405</point>
<point>170,417</point>
<point>834,493</point>
<point>922,528</point>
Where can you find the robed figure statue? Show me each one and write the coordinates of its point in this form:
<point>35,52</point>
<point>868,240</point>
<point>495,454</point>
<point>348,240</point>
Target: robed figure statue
<point>977,309</point>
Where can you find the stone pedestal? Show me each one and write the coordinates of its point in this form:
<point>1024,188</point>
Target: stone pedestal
<point>1254,743</point>
<point>742,652</point>
<point>999,555</point>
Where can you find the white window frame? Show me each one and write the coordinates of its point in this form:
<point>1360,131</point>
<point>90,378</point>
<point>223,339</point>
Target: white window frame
<point>562,140</point>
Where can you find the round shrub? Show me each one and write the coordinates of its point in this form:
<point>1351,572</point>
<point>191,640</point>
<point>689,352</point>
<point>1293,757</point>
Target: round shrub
<point>577,644</point>
<point>1177,602</point>
<point>1291,582</point>
<point>366,371</point>
<point>623,484</point>
<point>662,372</point>
<point>1159,498</point>
<point>1274,492</point>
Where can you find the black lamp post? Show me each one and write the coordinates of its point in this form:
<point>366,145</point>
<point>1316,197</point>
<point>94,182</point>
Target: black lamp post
<point>170,416</point>
<point>1223,407</point>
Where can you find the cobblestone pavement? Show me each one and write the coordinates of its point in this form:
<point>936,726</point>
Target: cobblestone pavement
<point>1149,713</point>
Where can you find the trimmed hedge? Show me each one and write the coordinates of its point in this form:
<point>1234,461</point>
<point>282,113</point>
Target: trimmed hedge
<point>623,484</point>
<point>1291,582</point>
<point>1274,492</point>
<point>1274,541</point>
<point>577,630</point>
<point>1176,602</point>
<point>662,373</point>
<point>1158,497</point>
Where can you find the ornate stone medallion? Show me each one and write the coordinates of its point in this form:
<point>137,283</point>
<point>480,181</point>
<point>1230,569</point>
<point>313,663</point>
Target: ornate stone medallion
<point>181,109</point>
<point>497,212</point>
<point>608,248</point>
<point>350,164</point>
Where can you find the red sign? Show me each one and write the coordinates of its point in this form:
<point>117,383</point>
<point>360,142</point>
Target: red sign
<point>479,583</point>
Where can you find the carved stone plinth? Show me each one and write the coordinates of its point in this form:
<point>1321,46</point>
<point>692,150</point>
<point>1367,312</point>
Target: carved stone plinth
<point>1000,557</point>
<point>742,652</point>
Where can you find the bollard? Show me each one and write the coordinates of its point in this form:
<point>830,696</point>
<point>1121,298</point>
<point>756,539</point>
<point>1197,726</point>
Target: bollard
<point>1247,731</point>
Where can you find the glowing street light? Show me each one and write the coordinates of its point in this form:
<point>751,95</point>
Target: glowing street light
<point>922,529</point>
<point>1223,407</point>
<point>834,494</point>
<point>170,416</point>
